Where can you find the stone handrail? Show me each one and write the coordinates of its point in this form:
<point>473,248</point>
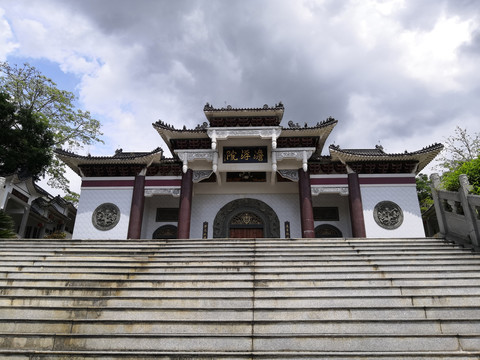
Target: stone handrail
<point>458,213</point>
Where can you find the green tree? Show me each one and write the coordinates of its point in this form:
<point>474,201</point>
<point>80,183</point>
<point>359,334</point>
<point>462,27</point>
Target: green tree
<point>470,168</point>
<point>25,140</point>
<point>459,148</point>
<point>29,89</point>
<point>424,192</point>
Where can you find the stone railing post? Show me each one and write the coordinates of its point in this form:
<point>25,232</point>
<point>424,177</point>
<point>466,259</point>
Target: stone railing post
<point>468,211</point>
<point>442,224</point>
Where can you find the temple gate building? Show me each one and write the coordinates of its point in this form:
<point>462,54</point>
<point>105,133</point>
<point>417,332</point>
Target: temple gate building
<point>243,174</point>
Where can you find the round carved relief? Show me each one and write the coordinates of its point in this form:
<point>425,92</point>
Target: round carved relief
<point>388,215</point>
<point>106,216</point>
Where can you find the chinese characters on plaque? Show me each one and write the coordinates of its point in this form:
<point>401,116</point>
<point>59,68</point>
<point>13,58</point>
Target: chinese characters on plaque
<point>250,154</point>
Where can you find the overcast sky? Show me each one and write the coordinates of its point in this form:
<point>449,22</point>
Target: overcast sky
<point>402,74</point>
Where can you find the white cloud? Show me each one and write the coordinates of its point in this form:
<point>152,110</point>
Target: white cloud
<point>385,69</point>
<point>432,56</point>
<point>7,45</point>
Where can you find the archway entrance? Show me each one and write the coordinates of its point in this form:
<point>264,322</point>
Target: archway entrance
<point>165,232</point>
<point>246,218</point>
<point>246,225</point>
<point>327,231</point>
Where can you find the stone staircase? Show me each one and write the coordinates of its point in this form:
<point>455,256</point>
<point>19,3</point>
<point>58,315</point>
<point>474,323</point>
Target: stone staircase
<point>239,299</point>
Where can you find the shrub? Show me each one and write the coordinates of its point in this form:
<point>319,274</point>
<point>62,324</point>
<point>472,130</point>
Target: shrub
<point>56,235</point>
<point>6,226</point>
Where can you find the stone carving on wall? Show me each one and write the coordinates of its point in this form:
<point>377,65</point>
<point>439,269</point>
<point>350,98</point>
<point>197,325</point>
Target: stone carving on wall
<point>341,190</point>
<point>289,174</point>
<point>165,232</point>
<point>199,175</point>
<point>175,192</point>
<point>388,215</point>
<point>106,216</point>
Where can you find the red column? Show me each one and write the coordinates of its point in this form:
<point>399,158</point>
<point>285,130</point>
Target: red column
<point>306,208</point>
<point>136,210</point>
<point>356,207</point>
<point>185,210</point>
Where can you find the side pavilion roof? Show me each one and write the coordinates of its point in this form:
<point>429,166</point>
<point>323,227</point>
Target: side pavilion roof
<point>348,156</point>
<point>74,161</point>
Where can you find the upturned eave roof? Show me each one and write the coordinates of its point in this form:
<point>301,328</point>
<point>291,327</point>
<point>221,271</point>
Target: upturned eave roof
<point>134,158</point>
<point>322,130</point>
<point>168,132</point>
<point>423,156</point>
<point>229,111</point>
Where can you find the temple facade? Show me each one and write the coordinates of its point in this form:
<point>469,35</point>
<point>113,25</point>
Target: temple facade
<point>242,174</point>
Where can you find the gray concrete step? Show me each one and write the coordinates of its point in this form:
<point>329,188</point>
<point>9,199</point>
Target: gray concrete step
<point>237,314</point>
<point>242,302</point>
<point>234,281</point>
<point>398,327</point>
<point>241,343</point>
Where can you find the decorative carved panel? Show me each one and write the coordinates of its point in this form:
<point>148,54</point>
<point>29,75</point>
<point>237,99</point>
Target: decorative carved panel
<point>388,215</point>
<point>106,216</point>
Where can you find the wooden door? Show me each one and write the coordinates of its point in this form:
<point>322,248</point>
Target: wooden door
<point>246,232</point>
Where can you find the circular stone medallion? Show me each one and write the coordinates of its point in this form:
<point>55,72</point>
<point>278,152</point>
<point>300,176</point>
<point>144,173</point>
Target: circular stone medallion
<point>388,215</point>
<point>106,216</point>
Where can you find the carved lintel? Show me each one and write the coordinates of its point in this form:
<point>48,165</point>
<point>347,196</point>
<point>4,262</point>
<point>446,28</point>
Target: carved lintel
<point>299,154</point>
<point>341,190</point>
<point>187,156</point>
<point>225,133</point>
<point>192,155</point>
<point>199,175</point>
<point>289,174</point>
<point>175,192</point>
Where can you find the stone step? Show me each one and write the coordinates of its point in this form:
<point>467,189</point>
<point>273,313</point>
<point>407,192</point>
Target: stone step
<point>245,261</point>
<point>260,273</point>
<point>229,251</point>
<point>109,327</point>
<point>235,281</point>
<point>265,266</point>
<point>149,242</point>
<point>228,247</point>
<point>242,302</point>
<point>238,355</point>
<point>243,343</point>
<point>244,274</point>
<point>236,314</point>
<point>239,291</point>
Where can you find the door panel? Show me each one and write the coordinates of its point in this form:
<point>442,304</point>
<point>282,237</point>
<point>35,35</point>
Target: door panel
<point>246,233</point>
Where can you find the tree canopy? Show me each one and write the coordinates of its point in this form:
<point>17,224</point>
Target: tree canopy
<point>460,156</point>
<point>470,168</point>
<point>30,91</point>
<point>25,140</point>
<point>459,148</point>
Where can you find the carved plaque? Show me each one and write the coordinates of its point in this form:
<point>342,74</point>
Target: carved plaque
<point>106,216</point>
<point>388,215</point>
<point>250,154</point>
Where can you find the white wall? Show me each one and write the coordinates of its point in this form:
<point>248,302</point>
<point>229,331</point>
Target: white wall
<point>206,207</point>
<point>149,224</point>
<point>89,200</point>
<point>404,196</point>
<point>335,200</point>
